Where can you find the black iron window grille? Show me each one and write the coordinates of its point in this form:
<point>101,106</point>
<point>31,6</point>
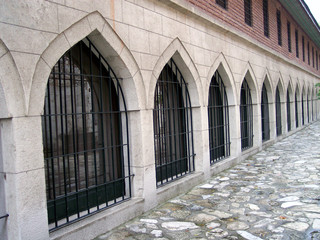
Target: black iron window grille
<point>222,3</point>
<point>246,116</point>
<point>172,122</point>
<point>312,57</point>
<point>265,18</point>
<point>308,48</point>
<point>278,112</point>
<point>85,137</point>
<point>279,27</point>
<point>218,114</point>
<point>296,110</point>
<point>302,109</point>
<point>308,112</point>
<point>265,125</point>
<point>303,50</point>
<point>248,12</point>
<point>297,43</point>
<point>289,36</point>
<point>288,112</point>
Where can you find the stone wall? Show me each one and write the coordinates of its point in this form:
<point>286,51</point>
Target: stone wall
<point>137,38</point>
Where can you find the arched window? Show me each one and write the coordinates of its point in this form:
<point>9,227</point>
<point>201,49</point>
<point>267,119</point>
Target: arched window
<point>172,122</point>
<point>265,126</point>
<point>278,112</point>
<point>288,111</point>
<point>85,137</point>
<point>218,113</point>
<point>246,117</point>
<point>302,109</point>
<point>296,109</point>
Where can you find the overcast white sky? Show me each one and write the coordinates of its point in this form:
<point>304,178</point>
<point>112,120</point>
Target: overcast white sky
<point>314,6</point>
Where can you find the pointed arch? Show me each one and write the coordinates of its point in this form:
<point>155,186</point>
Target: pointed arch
<point>280,84</point>
<point>267,80</point>
<point>99,31</point>
<point>290,87</point>
<point>188,69</point>
<point>298,88</point>
<point>222,66</point>
<point>250,77</point>
<point>12,96</point>
<point>288,105</point>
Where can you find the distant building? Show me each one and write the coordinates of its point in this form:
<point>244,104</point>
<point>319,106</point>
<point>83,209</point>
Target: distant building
<point>110,107</point>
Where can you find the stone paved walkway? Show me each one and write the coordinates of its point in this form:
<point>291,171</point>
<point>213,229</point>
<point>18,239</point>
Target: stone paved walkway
<point>274,194</point>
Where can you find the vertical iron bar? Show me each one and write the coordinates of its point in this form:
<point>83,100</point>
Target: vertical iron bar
<point>84,127</point>
<point>62,140</point>
<point>93,127</point>
<point>74,129</point>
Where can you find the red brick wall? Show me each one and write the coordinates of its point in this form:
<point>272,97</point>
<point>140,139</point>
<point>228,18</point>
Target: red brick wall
<point>234,16</point>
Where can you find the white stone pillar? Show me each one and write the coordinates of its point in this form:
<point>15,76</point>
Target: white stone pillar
<point>24,178</point>
<point>272,120</point>
<point>235,132</point>
<point>142,156</point>
<point>257,132</point>
<point>201,140</point>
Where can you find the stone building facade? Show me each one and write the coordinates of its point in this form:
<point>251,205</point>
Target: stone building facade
<point>109,108</point>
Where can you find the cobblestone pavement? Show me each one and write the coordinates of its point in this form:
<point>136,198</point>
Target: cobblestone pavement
<point>274,194</point>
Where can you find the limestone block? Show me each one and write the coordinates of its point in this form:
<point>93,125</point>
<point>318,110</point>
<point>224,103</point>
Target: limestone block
<point>3,49</point>
<point>62,2</point>
<point>174,29</point>
<point>133,14</point>
<point>22,144</point>
<point>78,31</point>
<point>154,43</point>
<point>82,5</point>
<point>152,21</point>
<point>164,43</point>
<point>137,181</point>
<point>122,30</point>
<point>38,88</point>
<point>96,21</point>
<point>203,72</point>
<point>148,61</point>
<point>29,40</point>
<point>135,139</point>
<point>147,4</point>
<point>12,90</point>
<point>4,113</point>
<point>37,14</point>
<point>165,10</point>
<point>139,40</point>
<point>197,37</point>
<point>199,56</point>
<point>27,208</point>
<point>110,9</point>
<point>26,64</point>
<point>55,50</point>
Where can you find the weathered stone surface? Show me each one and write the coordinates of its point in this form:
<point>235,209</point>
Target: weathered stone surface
<point>202,218</point>
<point>290,204</point>
<point>316,224</point>
<point>156,233</point>
<point>237,226</point>
<point>248,236</point>
<point>178,226</point>
<point>213,225</point>
<point>298,226</point>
